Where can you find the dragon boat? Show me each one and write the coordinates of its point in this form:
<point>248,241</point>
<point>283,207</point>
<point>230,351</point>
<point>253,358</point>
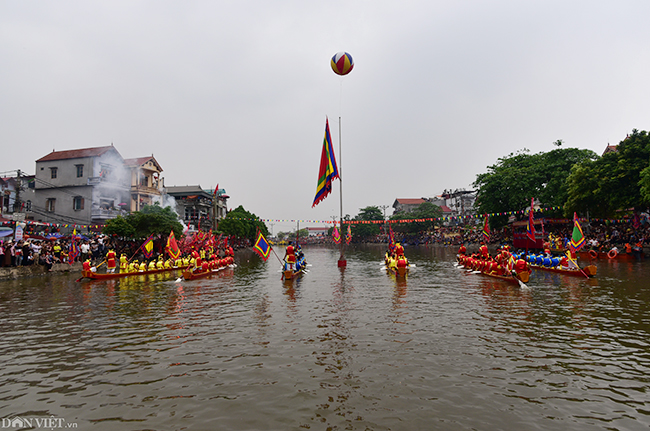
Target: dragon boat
<point>112,275</point>
<point>558,265</point>
<point>189,274</point>
<point>518,278</point>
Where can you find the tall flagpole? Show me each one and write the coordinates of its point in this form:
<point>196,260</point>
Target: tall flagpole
<point>341,64</point>
<point>342,262</point>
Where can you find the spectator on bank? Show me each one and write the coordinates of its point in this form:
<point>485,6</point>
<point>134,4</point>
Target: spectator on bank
<point>49,261</point>
<point>36,252</point>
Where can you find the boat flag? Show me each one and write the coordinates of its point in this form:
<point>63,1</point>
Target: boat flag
<point>74,250</point>
<point>172,246</point>
<point>486,229</point>
<point>530,233</point>
<point>391,238</point>
<point>147,247</point>
<point>336,235</point>
<point>262,247</point>
<point>577,238</point>
<point>348,236</point>
<point>328,170</point>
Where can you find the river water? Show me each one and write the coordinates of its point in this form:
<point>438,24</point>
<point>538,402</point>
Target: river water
<point>334,350</point>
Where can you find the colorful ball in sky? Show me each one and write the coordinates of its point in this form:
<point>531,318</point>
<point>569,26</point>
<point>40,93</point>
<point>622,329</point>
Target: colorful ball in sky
<point>342,63</point>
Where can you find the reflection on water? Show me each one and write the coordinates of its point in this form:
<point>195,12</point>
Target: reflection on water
<point>334,349</point>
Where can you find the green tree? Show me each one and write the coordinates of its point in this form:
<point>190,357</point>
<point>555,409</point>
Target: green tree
<point>118,226</point>
<point>242,224</point>
<point>366,230</point>
<point>151,220</point>
<point>425,210</point>
<point>510,183</point>
<point>618,180</point>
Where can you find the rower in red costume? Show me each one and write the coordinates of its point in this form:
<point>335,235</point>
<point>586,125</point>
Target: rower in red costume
<point>462,250</point>
<point>111,262</point>
<point>484,250</point>
<point>290,257</point>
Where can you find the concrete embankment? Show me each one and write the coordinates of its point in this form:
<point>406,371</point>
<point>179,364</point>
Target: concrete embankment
<point>12,273</point>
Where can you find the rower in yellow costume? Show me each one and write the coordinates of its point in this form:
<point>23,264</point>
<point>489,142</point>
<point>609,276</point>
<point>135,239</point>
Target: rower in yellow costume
<point>124,264</point>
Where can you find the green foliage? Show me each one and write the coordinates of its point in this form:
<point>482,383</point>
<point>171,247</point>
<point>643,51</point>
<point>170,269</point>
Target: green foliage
<point>118,226</point>
<point>515,179</point>
<point>152,219</point>
<point>242,224</point>
<point>618,180</point>
<point>425,210</point>
<point>644,184</point>
<point>370,229</point>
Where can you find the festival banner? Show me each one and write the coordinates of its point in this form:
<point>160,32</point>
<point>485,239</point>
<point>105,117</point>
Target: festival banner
<point>172,247</point>
<point>577,238</point>
<point>336,235</point>
<point>328,170</point>
<point>262,247</point>
<point>530,232</point>
<point>348,236</point>
<point>486,229</point>
<point>147,247</point>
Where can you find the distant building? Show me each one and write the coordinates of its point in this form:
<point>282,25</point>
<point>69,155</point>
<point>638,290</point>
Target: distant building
<point>317,231</point>
<point>220,204</point>
<point>146,181</point>
<point>84,186</point>
<point>610,149</point>
<point>194,206</point>
<point>406,205</point>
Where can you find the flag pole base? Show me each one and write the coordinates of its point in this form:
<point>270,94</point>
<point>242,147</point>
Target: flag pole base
<point>342,263</point>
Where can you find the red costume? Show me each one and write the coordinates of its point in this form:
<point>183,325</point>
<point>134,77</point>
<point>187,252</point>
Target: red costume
<point>110,260</point>
<point>291,257</point>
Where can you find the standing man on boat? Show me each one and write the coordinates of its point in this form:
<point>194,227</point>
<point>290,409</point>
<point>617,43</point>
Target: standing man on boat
<point>111,261</point>
<point>290,257</point>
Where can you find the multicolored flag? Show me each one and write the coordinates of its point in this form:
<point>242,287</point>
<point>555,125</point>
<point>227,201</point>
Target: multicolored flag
<point>147,247</point>
<point>74,250</point>
<point>530,233</point>
<point>348,236</point>
<point>328,170</point>
<point>262,247</point>
<point>336,235</point>
<point>577,238</point>
<point>172,246</point>
<point>391,238</point>
<point>486,229</point>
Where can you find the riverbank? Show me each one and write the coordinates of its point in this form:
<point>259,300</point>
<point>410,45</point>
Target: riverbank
<point>14,272</point>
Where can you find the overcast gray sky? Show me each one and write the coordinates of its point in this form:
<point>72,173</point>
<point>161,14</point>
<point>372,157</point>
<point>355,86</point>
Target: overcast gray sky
<point>236,93</point>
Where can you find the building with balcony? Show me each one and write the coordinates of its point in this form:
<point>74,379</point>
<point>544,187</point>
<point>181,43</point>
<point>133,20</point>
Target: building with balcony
<point>146,181</point>
<point>194,206</point>
<point>86,186</point>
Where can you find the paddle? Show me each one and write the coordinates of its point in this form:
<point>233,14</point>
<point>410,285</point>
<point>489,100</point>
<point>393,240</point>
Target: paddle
<point>568,254</point>
<point>521,283</point>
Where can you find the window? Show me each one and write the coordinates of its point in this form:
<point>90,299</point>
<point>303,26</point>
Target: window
<point>80,171</point>
<point>49,205</point>
<point>78,203</point>
<point>191,213</point>
<point>53,172</point>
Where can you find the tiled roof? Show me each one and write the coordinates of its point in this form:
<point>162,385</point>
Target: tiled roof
<point>139,161</point>
<point>77,154</point>
<point>417,201</point>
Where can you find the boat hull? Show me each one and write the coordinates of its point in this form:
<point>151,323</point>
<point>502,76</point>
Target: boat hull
<point>589,270</point>
<point>109,276</point>
<point>191,275</point>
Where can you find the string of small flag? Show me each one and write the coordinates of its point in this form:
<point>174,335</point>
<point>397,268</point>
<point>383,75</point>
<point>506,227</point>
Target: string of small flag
<point>351,222</point>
